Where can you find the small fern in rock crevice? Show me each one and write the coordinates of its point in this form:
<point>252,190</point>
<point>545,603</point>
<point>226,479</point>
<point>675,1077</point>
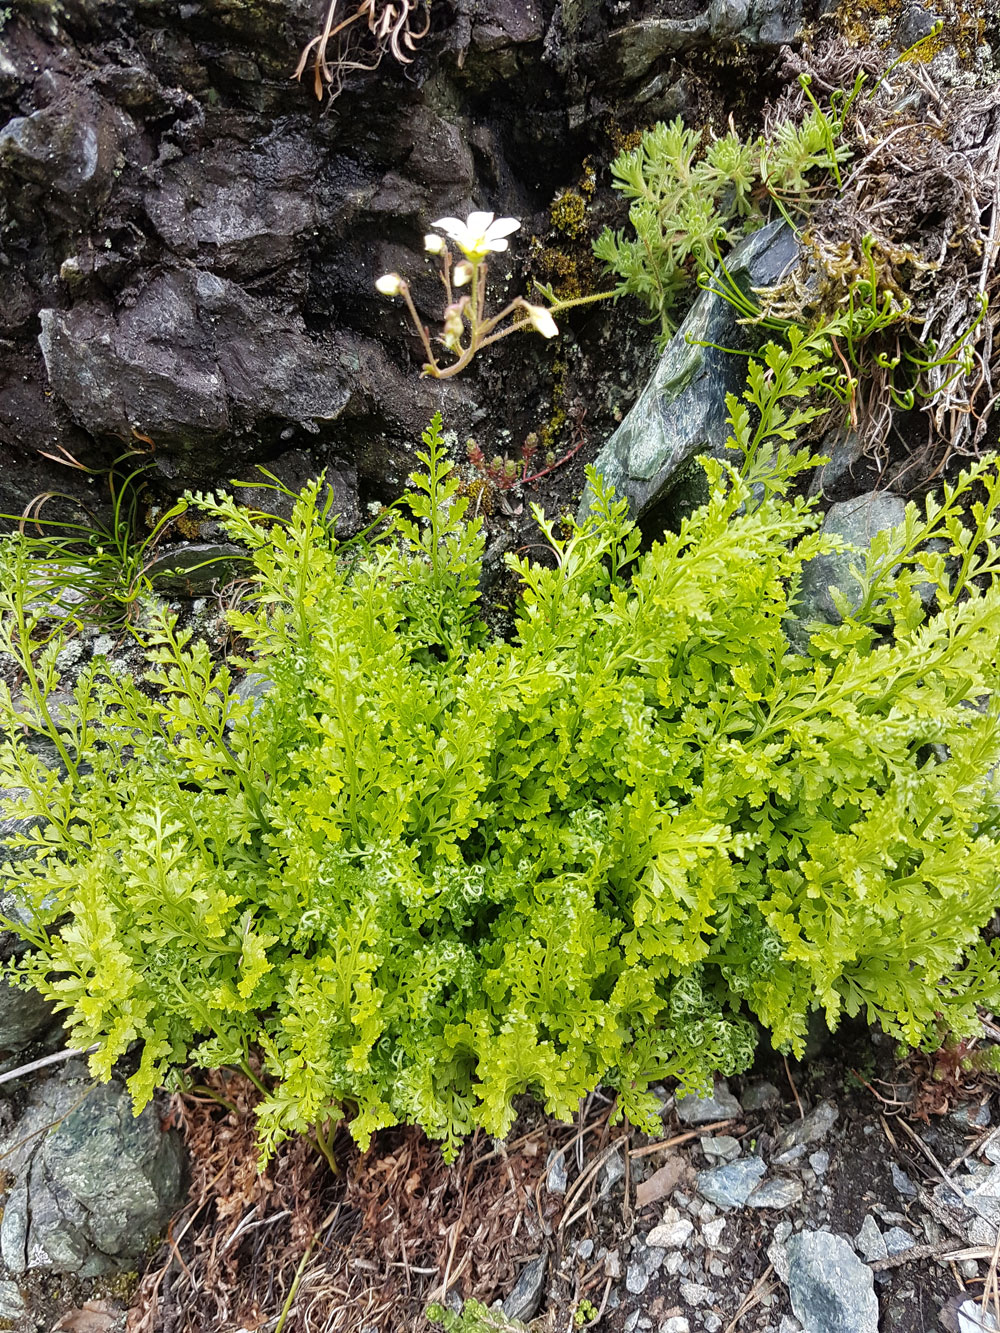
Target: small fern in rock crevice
<point>429,870</point>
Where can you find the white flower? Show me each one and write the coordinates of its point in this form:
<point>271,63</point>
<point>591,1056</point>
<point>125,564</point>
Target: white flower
<point>541,320</point>
<point>462,274</point>
<point>433,244</point>
<point>478,234</point>
<point>389,284</point>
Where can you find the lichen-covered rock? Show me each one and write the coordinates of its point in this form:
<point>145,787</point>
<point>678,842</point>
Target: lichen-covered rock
<point>93,1189</point>
<point>682,410</point>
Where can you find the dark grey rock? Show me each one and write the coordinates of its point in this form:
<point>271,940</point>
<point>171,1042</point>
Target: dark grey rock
<point>904,1185</point>
<point>898,1241</point>
<point>730,1186</point>
<point>556,1178</point>
<point>682,410</point>
<point>856,521</point>
<point>96,1187</point>
<point>759,1096</point>
<point>720,1105</point>
<point>972,1319</point>
<point>778,1193</point>
<point>810,1129</point>
<point>831,1290</point>
<point>720,1148</point>
<point>525,1300</point>
<point>194,568</point>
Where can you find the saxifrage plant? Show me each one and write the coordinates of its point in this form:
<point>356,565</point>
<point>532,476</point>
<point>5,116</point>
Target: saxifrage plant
<point>431,870</point>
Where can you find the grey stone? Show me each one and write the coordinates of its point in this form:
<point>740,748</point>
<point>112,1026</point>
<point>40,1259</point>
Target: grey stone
<point>696,1293</point>
<point>779,1193</point>
<point>682,411</point>
<point>525,1300</point>
<point>730,1186</point>
<point>194,568</point>
<point>556,1178</point>
<point>898,1241</point>
<point>720,1105</point>
<point>810,1129</point>
<point>610,1174</point>
<point>631,1322</point>
<point>972,1319</point>
<point>870,1241</point>
<point>761,1096</point>
<point>671,1235</point>
<point>675,1324</point>
<point>789,1324</point>
<point>252,688</point>
<point>856,521</point>
<point>712,1233</point>
<point>902,1181</point>
<point>637,1278</point>
<point>819,1161</point>
<point>831,1290</point>
<point>94,1189</point>
<point>585,1248</point>
<point>972,1117</point>
<point>13,1306</point>
<point>720,1148</point>
<point>711,1322</point>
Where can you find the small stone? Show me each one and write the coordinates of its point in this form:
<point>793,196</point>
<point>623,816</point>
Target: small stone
<point>675,1324</point>
<point>814,1127</point>
<point>831,1290</point>
<point>525,1300</point>
<point>671,1235</point>
<point>902,1181</point>
<point>972,1116</point>
<point>721,1105</point>
<point>897,1241</point>
<point>711,1322</point>
<point>789,1324</point>
<point>780,1193</point>
<point>693,1293</point>
<point>722,1148</point>
<point>730,1186</point>
<point>585,1248</point>
<point>13,1306</point>
<point>971,1318</point>
<point>819,1161</point>
<point>636,1279</point>
<point>613,1265</point>
<point>870,1241</point>
<point>557,1179</point>
<point>610,1174</point>
<point>760,1096</point>
<point>980,1232</point>
<point>712,1231</point>
<point>631,1322</point>
<point>674,1262</point>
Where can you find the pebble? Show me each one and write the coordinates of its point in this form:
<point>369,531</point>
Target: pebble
<point>524,1301</point>
<point>557,1179</point>
<point>831,1290</point>
<point>814,1127</point>
<point>585,1248</point>
<point>712,1231</point>
<point>897,1240</point>
<point>671,1235</point>
<point>819,1161</point>
<point>789,1324</point>
<point>693,1293</point>
<point>779,1193</point>
<point>971,1319</point>
<point>674,1262</point>
<point>721,1148</point>
<point>721,1105</point>
<point>631,1321</point>
<point>902,1181</point>
<point>730,1186</point>
<point>675,1324</point>
<point>711,1322</point>
<point>972,1117</point>
<point>611,1172</point>
<point>760,1096</point>
<point>870,1241</point>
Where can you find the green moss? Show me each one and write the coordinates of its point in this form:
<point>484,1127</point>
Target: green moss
<point>568,214</point>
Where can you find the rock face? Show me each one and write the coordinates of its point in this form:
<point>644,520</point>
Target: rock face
<point>188,239</point>
<point>682,410</point>
<point>96,1188</point>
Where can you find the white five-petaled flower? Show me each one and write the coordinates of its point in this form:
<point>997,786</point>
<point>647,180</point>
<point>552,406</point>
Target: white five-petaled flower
<point>478,234</point>
<point>541,320</point>
<point>389,284</point>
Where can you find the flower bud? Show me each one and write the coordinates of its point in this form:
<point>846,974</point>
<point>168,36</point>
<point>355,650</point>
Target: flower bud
<point>434,245</point>
<point>389,284</point>
<point>541,320</point>
<point>453,325</point>
<point>462,274</point>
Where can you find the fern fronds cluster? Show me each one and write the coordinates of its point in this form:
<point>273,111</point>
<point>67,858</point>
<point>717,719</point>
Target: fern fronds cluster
<point>431,870</point>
